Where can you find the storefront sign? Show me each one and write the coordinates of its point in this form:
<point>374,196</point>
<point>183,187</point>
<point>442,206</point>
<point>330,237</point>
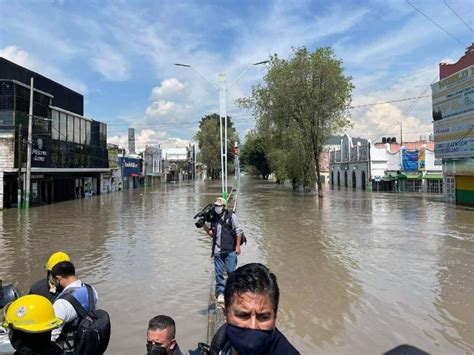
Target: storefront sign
<point>454,95</point>
<point>454,138</point>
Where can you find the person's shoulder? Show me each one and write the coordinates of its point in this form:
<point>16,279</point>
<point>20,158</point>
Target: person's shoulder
<point>39,285</point>
<point>219,340</point>
<point>281,345</point>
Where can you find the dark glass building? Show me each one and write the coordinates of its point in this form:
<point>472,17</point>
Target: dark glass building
<point>69,151</point>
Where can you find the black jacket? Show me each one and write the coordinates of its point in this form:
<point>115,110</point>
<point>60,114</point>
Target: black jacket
<point>41,288</point>
<point>280,345</point>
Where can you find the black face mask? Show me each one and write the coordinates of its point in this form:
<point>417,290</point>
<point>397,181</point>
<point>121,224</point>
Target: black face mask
<point>155,349</point>
<point>249,341</point>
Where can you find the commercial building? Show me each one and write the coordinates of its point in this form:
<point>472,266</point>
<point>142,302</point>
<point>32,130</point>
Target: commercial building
<point>153,165</point>
<point>69,151</point>
<point>385,166</point>
<point>453,125</point>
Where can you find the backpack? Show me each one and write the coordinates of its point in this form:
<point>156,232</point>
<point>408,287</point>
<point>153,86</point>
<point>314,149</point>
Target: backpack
<point>93,330</point>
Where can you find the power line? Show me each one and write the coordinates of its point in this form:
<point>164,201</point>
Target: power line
<point>457,15</point>
<point>436,24</point>
<point>390,101</point>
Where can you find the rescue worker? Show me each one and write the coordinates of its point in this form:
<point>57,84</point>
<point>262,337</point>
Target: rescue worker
<point>30,320</point>
<point>251,306</point>
<point>161,336</point>
<point>46,287</point>
<point>226,236</point>
<point>64,276</point>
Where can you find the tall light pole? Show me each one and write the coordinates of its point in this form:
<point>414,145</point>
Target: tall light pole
<point>29,144</point>
<point>222,89</point>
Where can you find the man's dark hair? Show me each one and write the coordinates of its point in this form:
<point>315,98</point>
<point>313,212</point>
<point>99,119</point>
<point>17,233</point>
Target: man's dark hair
<point>163,322</point>
<point>64,269</point>
<point>254,278</point>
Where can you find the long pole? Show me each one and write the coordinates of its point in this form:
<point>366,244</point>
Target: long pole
<point>223,116</point>
<point>28,154</point>
<point>20,141</point>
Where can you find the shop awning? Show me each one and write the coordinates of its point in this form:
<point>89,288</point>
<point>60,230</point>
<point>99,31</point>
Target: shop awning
<point>414,176</point>
<point>393,176</point>
<point>434,176</point>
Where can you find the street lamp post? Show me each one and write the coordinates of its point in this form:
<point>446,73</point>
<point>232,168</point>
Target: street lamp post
<point>29,142</point>
<point>222,89</point>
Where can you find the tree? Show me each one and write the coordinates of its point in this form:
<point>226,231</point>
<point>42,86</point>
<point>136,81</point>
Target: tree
<point>254,154</point>
<point>304,101</point>
<point>208,137</point>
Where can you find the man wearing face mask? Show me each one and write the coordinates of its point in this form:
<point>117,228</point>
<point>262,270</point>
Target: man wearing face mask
<point>226,236</point>
<point>46,287</point>
<point>251,305</point>
<point>161,336</point>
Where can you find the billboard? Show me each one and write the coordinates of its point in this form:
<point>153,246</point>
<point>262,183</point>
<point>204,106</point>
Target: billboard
<point>410,159</point>
<point>113,154</point>
<point>454,95</point>
<point>453,115</point>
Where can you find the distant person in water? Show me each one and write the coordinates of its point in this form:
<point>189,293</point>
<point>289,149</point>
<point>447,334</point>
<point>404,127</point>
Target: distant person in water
<point>251,306</point>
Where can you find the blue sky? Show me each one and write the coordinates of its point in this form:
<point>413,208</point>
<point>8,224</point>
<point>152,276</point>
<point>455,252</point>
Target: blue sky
<point>120,55</point>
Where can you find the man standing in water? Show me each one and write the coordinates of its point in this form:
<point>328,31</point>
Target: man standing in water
<point>226,236</point>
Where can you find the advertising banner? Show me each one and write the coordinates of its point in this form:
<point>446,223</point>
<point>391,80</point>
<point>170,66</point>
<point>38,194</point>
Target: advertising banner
<point>454,138</point>
<point>113,154</point>
<point>422,159</point>
<point>453,95</point>
<point>410,159</point>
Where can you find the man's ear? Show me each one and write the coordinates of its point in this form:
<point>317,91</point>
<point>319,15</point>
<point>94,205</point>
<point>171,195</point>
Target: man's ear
<point>173,344</point>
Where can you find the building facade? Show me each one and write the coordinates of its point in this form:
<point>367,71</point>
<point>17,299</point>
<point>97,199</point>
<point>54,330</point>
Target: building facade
<point>386,166</point>
<point>153,165</point>
<point>453,125</point>
<point>69,151</point>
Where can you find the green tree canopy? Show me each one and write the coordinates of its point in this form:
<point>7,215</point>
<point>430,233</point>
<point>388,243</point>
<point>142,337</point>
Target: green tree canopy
<point>254,154</point>
<point>304,101</point>
<point>208,137</point>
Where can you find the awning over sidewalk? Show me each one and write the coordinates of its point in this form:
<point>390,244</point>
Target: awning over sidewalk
<point>391,176</point>
<point>414,176</point>
<point>434,176</point>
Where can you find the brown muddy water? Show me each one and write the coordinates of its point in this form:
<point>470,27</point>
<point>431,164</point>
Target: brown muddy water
<point>359,272</point>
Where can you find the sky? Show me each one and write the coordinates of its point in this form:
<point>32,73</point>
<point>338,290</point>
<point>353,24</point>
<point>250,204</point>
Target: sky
<point>120,55</point>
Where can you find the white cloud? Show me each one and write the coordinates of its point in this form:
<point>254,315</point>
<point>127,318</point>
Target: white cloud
<point>18,56</point>
<point>384,120</point>
<point>110,64</point>
<point>160,108</point>
<point>167,88</point>
<point>146,137</point>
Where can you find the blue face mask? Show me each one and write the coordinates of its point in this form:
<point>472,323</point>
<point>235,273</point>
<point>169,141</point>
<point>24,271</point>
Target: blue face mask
<point>248,341</point>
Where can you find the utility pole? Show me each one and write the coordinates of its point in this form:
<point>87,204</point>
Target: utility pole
<point>28,154</point>
<point>20,143</point>
<point>223,117</point>
<point>222,89</point>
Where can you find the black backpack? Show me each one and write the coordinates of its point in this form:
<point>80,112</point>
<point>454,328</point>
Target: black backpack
<point>93,331</point>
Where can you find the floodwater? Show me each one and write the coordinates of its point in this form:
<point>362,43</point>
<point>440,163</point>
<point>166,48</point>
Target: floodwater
<point>359,272</point>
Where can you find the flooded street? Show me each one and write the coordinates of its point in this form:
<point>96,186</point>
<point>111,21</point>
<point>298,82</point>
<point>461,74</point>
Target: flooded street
<point>359,272</point>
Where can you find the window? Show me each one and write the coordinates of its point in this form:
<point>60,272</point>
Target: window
<point>70,128</point>
<point>62,126</point>
<point>435,186</point>
<point>55,124</point>
<point>88,132</point>
<point>83,131</point>
<point>77,130</point>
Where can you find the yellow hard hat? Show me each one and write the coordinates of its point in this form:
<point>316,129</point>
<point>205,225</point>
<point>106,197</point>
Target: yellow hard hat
<point>56,258</point>
<point>31,314</point>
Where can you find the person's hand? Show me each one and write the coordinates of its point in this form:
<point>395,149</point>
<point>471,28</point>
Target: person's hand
<point>237,249</point>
